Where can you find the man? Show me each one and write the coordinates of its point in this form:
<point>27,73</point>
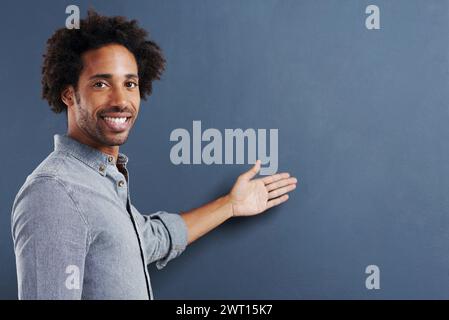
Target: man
<point>76,234</point>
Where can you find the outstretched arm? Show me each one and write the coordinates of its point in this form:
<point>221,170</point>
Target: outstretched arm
<point>248,197</point>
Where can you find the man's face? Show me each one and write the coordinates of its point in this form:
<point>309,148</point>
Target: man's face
<point>107,96</point>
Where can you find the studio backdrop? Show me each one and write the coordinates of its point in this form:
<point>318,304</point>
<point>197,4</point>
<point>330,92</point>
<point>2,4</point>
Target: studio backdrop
<point>351,97</point>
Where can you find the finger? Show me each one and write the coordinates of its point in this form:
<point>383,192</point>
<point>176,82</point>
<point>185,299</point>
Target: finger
<point>281,183</point>
<point>251,173</point>
<point>275,177</point>
<point>277,201</point>
<point>279,192</point>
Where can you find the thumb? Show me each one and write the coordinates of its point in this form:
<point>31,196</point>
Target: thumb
<point>251,173</point>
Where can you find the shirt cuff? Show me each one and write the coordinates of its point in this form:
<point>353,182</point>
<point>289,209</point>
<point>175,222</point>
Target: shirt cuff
<point>177,229</point>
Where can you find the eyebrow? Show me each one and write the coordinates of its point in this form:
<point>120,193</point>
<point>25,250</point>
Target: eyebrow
<point>109,76</point>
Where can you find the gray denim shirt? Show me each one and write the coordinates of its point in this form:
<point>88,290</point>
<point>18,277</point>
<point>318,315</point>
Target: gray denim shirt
<point>76,234</point>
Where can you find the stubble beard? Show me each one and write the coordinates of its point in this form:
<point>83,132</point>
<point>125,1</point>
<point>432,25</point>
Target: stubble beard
<point>91,127</point>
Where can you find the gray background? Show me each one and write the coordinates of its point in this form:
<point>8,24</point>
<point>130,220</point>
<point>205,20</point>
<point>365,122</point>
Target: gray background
<point>363,123</point>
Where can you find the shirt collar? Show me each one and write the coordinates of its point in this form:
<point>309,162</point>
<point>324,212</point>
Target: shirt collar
<point>92,157</point>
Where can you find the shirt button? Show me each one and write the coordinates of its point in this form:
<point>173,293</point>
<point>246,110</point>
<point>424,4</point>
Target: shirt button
<point>110,158</point>
<point>121,183</point>
<point>102,168</point>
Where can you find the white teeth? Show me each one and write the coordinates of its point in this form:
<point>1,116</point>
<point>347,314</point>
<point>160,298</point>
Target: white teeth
<point>115,120</point>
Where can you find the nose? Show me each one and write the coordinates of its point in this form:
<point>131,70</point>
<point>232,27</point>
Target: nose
<point>119,97</point>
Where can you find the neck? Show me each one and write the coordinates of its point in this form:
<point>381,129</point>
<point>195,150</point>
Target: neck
<point>111,150</point>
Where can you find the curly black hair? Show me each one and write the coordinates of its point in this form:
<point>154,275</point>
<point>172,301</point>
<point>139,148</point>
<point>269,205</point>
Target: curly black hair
<point>63,64</point>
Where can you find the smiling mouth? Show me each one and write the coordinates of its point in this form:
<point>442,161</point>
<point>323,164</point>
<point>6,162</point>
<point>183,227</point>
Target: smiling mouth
<point>116,124</point>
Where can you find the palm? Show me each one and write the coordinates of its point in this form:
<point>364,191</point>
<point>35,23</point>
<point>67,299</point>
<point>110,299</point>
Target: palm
<point>250,197</point>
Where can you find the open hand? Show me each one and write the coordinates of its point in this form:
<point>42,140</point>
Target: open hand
<point>251,197</point>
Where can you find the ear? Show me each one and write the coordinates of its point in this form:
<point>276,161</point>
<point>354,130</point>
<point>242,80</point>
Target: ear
<point>68,96</point>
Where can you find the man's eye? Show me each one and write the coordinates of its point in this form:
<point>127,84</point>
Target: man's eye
<point>131,84</point>
<point>99,84</point>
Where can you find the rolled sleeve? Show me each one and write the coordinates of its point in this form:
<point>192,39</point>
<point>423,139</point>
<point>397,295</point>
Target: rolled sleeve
<point>177,230</point>
<point>164,237</point>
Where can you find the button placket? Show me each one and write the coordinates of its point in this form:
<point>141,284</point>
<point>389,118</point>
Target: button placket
<point>142,252</point>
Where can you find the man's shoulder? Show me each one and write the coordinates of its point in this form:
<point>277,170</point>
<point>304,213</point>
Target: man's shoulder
<point>55,164</point>
<point>41,186</point>
<point>44,205</point>
<point>56,172</point>
<point>62,167</point>
<point>46,192</point>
